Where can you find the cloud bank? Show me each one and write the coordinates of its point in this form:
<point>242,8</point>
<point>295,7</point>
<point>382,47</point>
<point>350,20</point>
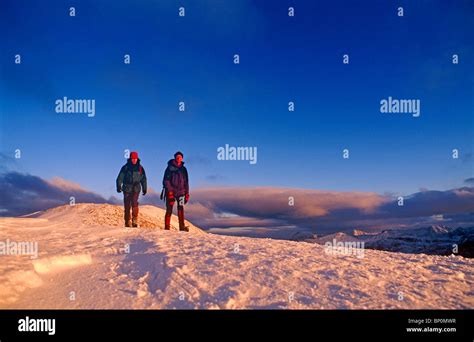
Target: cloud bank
<point>25,194</point>
<point>264,208</point>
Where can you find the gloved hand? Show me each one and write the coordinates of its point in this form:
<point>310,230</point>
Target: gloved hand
<point>186,199</point>
<point>119,190</point>
<point>144,193</point>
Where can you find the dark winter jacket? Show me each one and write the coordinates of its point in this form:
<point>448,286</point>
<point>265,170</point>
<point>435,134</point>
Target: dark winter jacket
<point>176,178</point>
<point>132,178</point>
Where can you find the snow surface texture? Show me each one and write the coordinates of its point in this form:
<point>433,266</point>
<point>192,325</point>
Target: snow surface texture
<point>88,260</point>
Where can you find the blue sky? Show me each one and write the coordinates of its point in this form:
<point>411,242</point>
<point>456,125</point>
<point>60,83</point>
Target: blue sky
<point>282,59</point>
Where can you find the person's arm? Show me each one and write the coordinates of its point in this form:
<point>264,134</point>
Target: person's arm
<point>186,185</point>
<point>167,180</point>
<point>144,181</point>
<point>119,180</point>
<point>186,179</point>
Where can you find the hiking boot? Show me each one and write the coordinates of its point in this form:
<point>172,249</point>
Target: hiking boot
<point>127,224</point>
<point>134,222</point>
<point>182,226</point>
<point>167,220</point>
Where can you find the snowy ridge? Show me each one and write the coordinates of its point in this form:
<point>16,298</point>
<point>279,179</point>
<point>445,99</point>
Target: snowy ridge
<point>107,266</point>
<point>111,215</point>
<point>438,240</point>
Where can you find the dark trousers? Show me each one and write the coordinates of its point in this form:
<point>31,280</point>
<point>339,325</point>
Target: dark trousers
<point>130,200</point>
<point>169,212</point>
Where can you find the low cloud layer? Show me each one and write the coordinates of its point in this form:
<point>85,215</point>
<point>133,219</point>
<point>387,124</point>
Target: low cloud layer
<point>326,211</point>
<point>264,208</point>
<point>24,194</point>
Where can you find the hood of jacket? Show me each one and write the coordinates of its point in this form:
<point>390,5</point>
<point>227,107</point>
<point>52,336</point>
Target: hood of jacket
<point>173,165</point>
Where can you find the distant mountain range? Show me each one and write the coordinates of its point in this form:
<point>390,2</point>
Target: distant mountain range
<point>435,240</point>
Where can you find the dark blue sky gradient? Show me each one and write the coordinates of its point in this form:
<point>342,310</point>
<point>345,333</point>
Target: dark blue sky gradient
<point>282,59</point>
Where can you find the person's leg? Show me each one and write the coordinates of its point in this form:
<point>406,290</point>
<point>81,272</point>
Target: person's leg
<point>126,207</point>
<point>169,211</point>
<point>181,218</point>
<point>135,208</point>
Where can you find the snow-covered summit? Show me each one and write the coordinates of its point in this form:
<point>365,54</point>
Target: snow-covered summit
<point>86,259</point>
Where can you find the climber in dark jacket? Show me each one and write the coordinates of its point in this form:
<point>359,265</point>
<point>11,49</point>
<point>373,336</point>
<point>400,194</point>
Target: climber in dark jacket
<point>176,187</point>
<point>131,180</point>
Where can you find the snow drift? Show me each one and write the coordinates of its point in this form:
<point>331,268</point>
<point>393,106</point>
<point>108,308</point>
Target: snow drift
<point>86,259</point>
